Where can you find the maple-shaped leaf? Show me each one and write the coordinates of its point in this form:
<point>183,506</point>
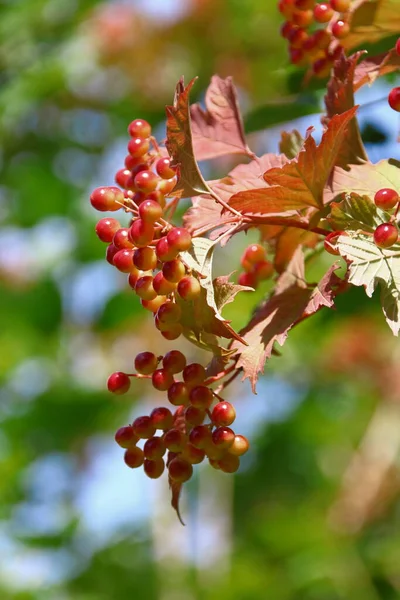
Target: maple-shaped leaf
<point>364,179</point>
<point>370,21</point>
<point>368,265</point>
<point>291,143</point>
<point>180,146</point>
<point>176,487</point>
<point>293,298</point>
<point>300,183</point>
<point>219,129</point>
<point>375,66</point>
<point>340,98</point>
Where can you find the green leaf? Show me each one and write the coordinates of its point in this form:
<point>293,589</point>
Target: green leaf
<point>365,179</point>
<point>291,143</point>
<point>356,213</point>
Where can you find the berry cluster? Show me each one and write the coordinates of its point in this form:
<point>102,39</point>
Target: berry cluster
<point>394,94</point>
<point>149,249</point>
<point>185,436</point>
<point>386,234</point>
<point>309,43</point>
<point>255,265</point>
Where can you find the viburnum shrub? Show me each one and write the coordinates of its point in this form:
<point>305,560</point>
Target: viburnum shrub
<point>305,201</point>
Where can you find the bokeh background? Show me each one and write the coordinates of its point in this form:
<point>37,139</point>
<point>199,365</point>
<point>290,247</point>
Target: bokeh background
<point>314,512</point>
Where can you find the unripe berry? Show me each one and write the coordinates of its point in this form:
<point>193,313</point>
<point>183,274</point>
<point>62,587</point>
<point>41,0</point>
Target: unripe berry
<point>154,448</point>
<point>223,437</point>
<point>340,29</point>
<point>143,427</point>
<point>180,470</point>
<point>323,12</point>
<point>386,198</point>
<point>162,380</point>
<point>394,99</point>
<point>223,414</point>
<point>121,239</point>
<point>107,198</point>
<point>194,374</point>
<point>229,463</point>
<point>144,288</point>
<point>169,312</point>
<point>162,418</point>
<point>174,361</point>
<point>150,211</point>
<point>178,394</point>
<point>106,228</point>
<point>175,440</point>
<point>240,446</point>
<point>141,233</point>
<point>139,128</point>
<point>154,468</point>
<point>164,169</point>
<point>146,363</point>
<point>118,383</point>
<point>179,239</point>
<point>162,285</point>
<point>200,437</point>
<point>386,235</point>
<point>134,457</point>
<point>138,146</point>
<point>145,258</point>
<point>126,437</point>
<point>189,288</point>
<point>164,251</point>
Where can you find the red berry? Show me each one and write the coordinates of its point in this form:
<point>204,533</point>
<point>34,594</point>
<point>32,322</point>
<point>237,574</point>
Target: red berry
<point>193,455</point>
<point>154,468</point>
<point>248,280</point>
<point>223,437</point>
<point>240,445</point>
<point>322,39</point>
<point>141,233</point>
<point>121,239</point>
<point>166,186</point>
<point>303,18</point>
<point>134,457</point>
<point>110,253</point>
<point>139,128</point>
<point>146,181</point>
<point>162,380</point>
<point>133,277</point>
<point>154,448</point>
<point>340,5</point>
<point>287,29</point>
<point>229,463</point>
<point>158,197</point>
<point>126,437</point>
<point>143,427</point>
<point>124,178</point>
<point>175,440</point>
<point>323,12</point>
<point>144,288</point>
<point>131,162</point>
<point>162,286</point>
<point>145,258</point>
<point>146,363</point>
<point>201,397</point>
<point>138,146</point>
<point>174,270</point>
<point>286,7</point>
<point>123,260</point>
<point>322,67</point>
<point>169,312</point>
<point>180,470</point>
<point>107,198</point>
<point>386,198</point>
<point>162,418</point>
<point>254,253</point>
<point>150,211</point>
<point>164,250</point>
<point>189,288</point>
<point>118,383</point>
<point>153,305</point>
<point>223,414</point>
<point>297,38</point>
<point>106,229</point>
<point>386,235</point>
<point>304,4</point>
<point>340,29</point>
<point>194,374</point>
<point>397,46</point>
<point>174,361</point>
<point>394,99</point>
<point>296,56</point>
<point>194,416</point>
<point>264,270</point>
<point>164,169</point>
<point>173,332</point>
<point>179,239</point>
<point>178,394</point>
<point>200,437</point>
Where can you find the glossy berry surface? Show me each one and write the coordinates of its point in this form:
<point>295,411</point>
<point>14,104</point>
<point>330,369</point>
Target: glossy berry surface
<point>154,468</point>
<point>118,383</point>
<point>394,99</point>
<point>179,239</point>
<point>340,5</point>
<point>139,128</point>
<point>180,470</point>
<point>174,361</point>
<point>323,12</point>
<point>126,437</point>
<point>162,380</point>
<point>144,427</point>
<point>386,198</point>
<point>189,288</point>
<point>162,418</point>
<point>146,363</point>
<point>106,228</point>
<point>223,414</point>
<point>163,168</point>
<point>134,457</point>
<point>340,29</point>
<point>386,235</point>
<point>107,198</point>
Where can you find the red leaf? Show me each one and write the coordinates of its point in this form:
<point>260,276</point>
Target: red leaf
<point>299,183</point>
<point>340,98</point>
<point>219,129</point>
<point>180,147</point>
<point>292,300</point>
<point>375,66</point>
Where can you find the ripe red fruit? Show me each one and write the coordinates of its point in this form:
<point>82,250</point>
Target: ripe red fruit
<point>106,228</point>
<point>107,198</point>
<point>201,397</point>
<point>145,258</point>
<point>141,233</point>
<point>134,457</point>
<point>144,288</point>
<point>323,12</point>
<point>179,239</point>
<point>121,239</point>
<point>264,270</point>
<point>154,468</point>
<point>153,305</point>
<point>340,29</point>
<point>174,361</point>
<point>173,332</point>
<point>322,39</point>
<point>200,437</point>
<point>154,448</point>
<point>180,470</point>
<point>330,242</point>
<point>189,288</point>
<point>322,67</point>
<point>194,416</point>
<point>194,374</point>
<point>229,463</point>
<point>162,380</point>
<point>175,440</point>
<point>146,181</point>
<point>303,18</point>
<point>162,285</point>
<point>248,280</point>
<point>287,29</point>
<point>340,5</point>
<point>162,418</point>
<point>143,427</point>
<point>223,437</point>
<point>169,312</point>
<point>133,277</point>
<point>386,198</point>
<point>296,56</point>
<point>139,128</point>
<point>164,169</point>
<point>297,38</point>
<point>150,211</point>
<point>254,253</point>
<point>394,99</point>
<point>138,146</point>
<point>240,445</point>
<point>286,7</point>
<point>174,270</point>
<point>118,383</point>
<point>167,185</point>
<point>304,4</point>
<point>223,414</point>
<point>126,437</point>
<point>178,394</point>
<point>193,455</point>
<point>164,251</point>
<point>146,363</point>
<point>386,235</point>
<point>124,178</point>
<point>397,46</point>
